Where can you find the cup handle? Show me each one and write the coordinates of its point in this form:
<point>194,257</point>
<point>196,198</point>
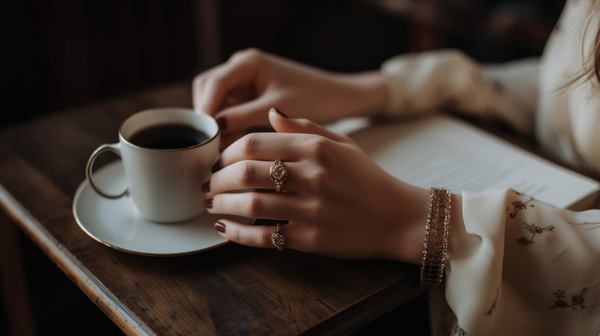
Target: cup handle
<point>115,148</point>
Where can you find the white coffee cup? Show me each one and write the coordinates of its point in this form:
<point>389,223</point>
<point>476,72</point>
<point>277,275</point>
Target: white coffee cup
<point>165,184</point>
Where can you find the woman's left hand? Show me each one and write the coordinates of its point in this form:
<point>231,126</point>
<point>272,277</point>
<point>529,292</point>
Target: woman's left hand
<point>337,200</point>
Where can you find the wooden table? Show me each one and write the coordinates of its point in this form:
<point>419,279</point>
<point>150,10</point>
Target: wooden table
<point>231,290</point>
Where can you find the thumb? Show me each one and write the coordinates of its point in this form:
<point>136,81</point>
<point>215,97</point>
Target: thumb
<point>282,124</point>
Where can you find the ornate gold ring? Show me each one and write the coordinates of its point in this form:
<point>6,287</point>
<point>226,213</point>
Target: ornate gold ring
<point>278,175</point>
<point>277,238</point>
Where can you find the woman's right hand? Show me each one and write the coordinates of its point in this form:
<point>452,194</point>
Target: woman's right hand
<point>239,92</point>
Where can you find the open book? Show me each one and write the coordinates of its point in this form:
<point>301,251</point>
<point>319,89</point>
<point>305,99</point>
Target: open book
<point>444,152</point>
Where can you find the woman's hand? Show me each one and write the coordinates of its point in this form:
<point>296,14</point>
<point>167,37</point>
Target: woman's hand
<point>337,200</point>
<point>238,92</point>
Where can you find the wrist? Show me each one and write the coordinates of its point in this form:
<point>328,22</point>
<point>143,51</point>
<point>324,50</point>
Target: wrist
<point>408,245</point>
<point>367,93</point>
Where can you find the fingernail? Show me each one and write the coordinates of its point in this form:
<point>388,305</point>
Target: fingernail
<point>222,122</point>
<point>206,186</point>
<point>279,112</point>
<point>208,203</point>
<point>216,167</point>
<point>220,226</point>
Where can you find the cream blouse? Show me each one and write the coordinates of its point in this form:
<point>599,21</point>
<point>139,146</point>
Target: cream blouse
<point>517,266</point>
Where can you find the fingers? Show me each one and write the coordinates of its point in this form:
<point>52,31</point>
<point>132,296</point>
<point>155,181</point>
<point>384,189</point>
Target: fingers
<point>282,124</point>
<point>295,140</point>
<point>231,92</point>
<point>285,206</point>
<point>210,88</point>
<point>267,147</point>
<point>228,138</point>
<point>250,174</point>
<point>207,91</point>
<point>260,235</point>
<point>254,236</point>
<point>241,117</point>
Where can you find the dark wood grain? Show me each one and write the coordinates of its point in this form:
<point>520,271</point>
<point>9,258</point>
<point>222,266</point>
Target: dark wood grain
<point>13,281</point>
<point>231,290</point>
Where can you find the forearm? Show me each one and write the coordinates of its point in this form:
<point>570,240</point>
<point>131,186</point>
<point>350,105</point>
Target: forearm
<point>365,93</point>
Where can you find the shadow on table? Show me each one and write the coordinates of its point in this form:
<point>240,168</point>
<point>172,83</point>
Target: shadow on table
<point>411,318</point>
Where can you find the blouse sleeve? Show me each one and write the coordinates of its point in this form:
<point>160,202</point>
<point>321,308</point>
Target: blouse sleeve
<point>425,82</point>
<point>522,267</point>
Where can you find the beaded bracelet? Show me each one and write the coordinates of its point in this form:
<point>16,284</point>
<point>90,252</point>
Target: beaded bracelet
<point>435,246</point>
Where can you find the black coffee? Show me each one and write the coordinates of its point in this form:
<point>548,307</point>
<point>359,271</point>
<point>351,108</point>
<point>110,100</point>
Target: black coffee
<point>168,136</point>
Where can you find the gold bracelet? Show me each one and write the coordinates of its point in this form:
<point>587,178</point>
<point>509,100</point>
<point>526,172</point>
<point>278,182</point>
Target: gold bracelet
<point>435,246</point>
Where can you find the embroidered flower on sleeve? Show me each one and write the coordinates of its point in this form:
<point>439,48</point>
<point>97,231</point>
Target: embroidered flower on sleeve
<point>518,206</point>
<point>559,303</point>
<point>576,300</point>
<point>533,229</point>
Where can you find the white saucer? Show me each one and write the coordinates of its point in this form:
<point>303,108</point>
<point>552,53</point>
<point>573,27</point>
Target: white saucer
<point>118,224</point>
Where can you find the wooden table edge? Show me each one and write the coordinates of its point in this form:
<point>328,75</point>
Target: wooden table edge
<point>69,264</point>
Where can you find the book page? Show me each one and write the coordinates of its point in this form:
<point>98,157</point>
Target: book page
<point>444,152</point>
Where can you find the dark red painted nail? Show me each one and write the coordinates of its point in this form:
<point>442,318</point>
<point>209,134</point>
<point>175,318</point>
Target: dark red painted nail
<point>280,113</point>
<point>220,226</point>
<point>216,167</point>
<point>222,122</point>
<point>206,186</point>
<point>208,203</point>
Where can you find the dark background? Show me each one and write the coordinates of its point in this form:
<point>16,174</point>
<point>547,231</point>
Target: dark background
<point>59,54</point>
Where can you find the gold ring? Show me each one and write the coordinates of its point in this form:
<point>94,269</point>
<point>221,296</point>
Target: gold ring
<point>277,238</point>
<point>278,174</point>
